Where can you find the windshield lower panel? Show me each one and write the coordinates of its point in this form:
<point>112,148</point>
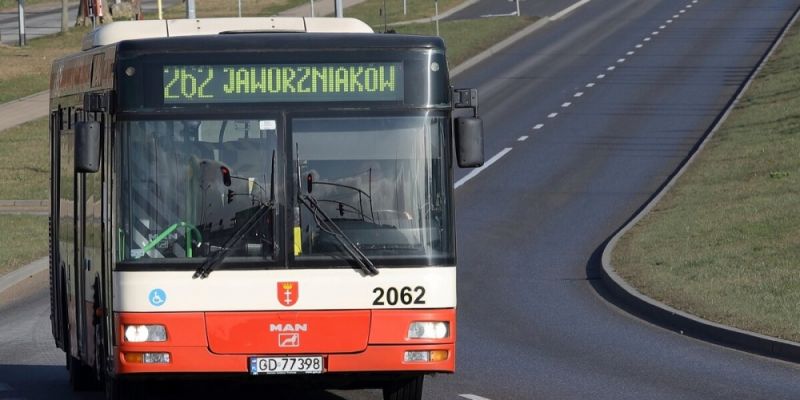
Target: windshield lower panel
<point>186,186</point>
<point>382,180</point>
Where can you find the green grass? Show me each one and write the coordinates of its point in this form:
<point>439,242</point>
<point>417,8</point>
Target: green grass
<point>466,38</point>
<point>724,244</point>
<point>25,71</point>
<point>25,242</point>
<point>11,5</point>
<point>371,11</point>
<point>25,170</point>
<point>230,8</point>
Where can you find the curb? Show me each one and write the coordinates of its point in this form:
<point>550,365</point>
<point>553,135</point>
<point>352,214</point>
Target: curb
<point>441,16</point>
<point>13,278</point>
<point>671,318</point>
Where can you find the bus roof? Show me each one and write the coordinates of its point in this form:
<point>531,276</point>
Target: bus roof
<point>130,30</point>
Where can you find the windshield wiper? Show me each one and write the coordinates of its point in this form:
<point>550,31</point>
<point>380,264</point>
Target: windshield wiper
<point>215,260</point>
<point>330,227</point>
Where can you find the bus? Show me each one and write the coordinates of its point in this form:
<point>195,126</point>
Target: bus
<point>268,199</point>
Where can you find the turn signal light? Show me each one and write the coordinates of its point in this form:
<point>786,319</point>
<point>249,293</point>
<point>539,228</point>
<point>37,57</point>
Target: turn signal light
<point>147,358</point>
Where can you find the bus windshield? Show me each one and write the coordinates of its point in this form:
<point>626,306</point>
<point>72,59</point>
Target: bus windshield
<point>186,186</point>
<point>381,180</point>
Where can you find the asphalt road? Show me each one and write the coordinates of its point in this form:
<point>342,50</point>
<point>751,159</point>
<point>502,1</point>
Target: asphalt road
<point>597,111</point>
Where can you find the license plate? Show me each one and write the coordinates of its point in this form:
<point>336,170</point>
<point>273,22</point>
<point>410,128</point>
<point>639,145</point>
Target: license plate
<point>286,365</point>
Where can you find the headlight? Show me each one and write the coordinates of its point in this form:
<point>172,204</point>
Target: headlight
<point>145,333</point>
<point>429,330</point>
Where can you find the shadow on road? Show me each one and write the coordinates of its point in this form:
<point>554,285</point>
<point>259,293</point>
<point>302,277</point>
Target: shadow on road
<point>47,382</point>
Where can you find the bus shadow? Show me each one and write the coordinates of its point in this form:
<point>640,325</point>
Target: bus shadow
<point>46,382</point>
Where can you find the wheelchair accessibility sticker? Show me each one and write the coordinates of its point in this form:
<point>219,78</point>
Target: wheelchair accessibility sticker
<point>157,297</point>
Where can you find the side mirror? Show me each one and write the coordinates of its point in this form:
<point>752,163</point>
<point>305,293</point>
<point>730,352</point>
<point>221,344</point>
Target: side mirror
<point>87,147</point>
<point>469,142</point>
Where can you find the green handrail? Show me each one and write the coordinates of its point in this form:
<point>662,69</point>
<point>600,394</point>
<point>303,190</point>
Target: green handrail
<point>187,232</point>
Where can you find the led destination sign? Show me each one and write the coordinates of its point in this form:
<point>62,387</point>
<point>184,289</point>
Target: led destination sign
<point>250,83</point>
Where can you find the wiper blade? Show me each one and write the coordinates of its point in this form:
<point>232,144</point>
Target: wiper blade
<point>328,225</point>
<point>215,260</point>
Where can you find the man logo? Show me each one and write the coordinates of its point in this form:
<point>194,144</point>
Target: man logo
<point>288,327</point>
<point>288,292</point>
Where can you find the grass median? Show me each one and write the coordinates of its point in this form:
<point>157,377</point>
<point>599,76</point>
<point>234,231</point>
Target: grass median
<point>724,243</point>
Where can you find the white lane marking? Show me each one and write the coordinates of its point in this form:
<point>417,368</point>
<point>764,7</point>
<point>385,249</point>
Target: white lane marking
<point>611,68</point>
<point>621,60</point>
<point>568,10</point>
<point>688,6</point>
<point>601,76</point>
<point>682,11</point>
<point>647,39</point>
<point>630,53</point>
<point>676,16</point>
<point>565,105</point>
<point>662,27</point>
<point>639,46</point>
<point>477,171</point>
<point>590,84</point>
<point>522,138</point>
<point>669,21</point>
<point>578,94</point>
<point>473,397</point>
<point>538,126</point>
<point>552,115</point>
<point>655,32</point>
<point>513,13</point>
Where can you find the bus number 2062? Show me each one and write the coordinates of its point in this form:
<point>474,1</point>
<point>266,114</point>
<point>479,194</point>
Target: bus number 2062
<point>393,296</point>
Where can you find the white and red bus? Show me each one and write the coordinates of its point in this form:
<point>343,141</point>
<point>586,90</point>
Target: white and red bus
<point>256,197</point>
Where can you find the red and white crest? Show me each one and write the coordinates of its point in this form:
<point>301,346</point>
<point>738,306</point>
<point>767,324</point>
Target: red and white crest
<point>288,292</point>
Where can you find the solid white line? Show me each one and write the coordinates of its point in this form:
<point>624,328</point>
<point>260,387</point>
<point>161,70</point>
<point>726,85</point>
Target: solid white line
<point>477,171</point>
<point>590,84</point>
<point>565,105</point>
<point>513,13</point>
<point>522,138</point>
<point>538,126</point>
<point>579,94</point>
<point>552,115</point>
<point>568,10</point>
<point>473,397</point>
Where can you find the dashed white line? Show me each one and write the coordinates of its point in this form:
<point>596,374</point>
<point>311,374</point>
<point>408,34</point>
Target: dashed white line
<point>688,6</point>
<point>647,39</point>
<point>682,11</point>
<point>601,76</point>
<point>662,27</point>
<point>578,94</point>
<point>621,60</point>
<point>473,397</point>
<point>538,126</point>
<point>552,115</point>
<point>565,105</point>
<point>590,85</point>
<point>639,46</point>
<point>676,16</point>
<point>611,68</point>
<point>630,53</point>
<point>522,138</point>
<point>655,33</point>
<point>669,21</point>
<point>477,171</point>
